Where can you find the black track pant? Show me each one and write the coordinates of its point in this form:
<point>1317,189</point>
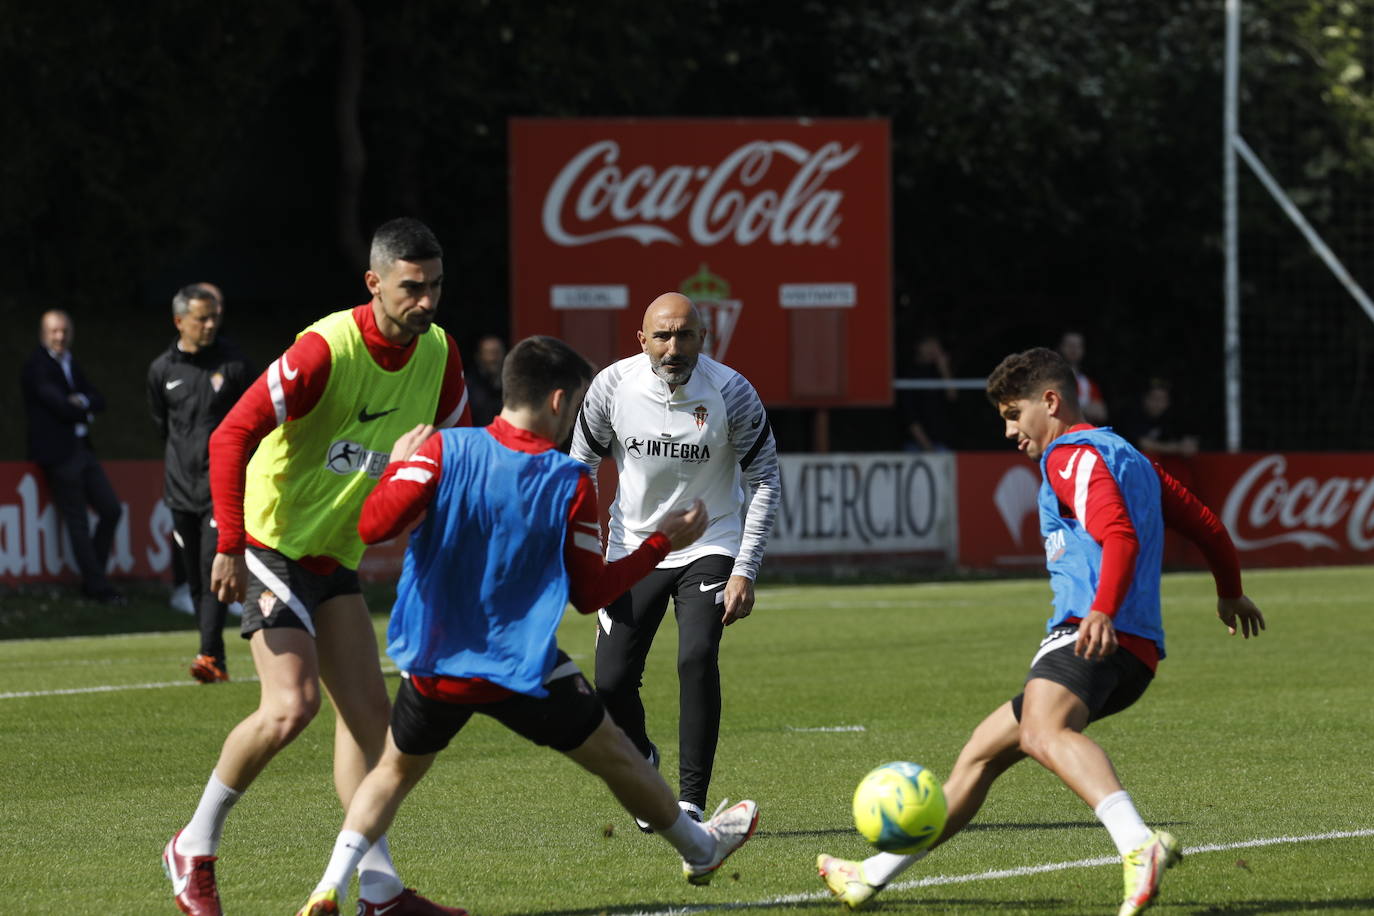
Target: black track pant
<point>199,541</point>
<point>622,649</point>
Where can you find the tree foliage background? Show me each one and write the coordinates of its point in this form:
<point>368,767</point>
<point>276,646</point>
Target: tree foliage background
<point>1056,163</point>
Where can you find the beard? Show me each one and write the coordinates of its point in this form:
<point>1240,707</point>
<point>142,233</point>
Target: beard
<point>674,373</point>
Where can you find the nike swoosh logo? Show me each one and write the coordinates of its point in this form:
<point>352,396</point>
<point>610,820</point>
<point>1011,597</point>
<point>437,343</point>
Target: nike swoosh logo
<point>174,383</point>
<point>383,910</point>
<point>755,424</point>
<point>1068,468</point>
<point>179,883</point>
<point>708,587</point>
<point>365,417</point>
<point>286,369</point>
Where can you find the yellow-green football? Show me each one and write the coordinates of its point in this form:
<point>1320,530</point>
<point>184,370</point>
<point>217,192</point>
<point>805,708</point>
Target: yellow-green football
<point>899,807</point>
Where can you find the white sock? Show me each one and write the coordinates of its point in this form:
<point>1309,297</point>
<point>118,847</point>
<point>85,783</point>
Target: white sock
<point>349,848</point>
<point>690,838</point>
<point>880,869</point>
<point>377,878</point>
<point>201,836</point>
<point>1117,813</point>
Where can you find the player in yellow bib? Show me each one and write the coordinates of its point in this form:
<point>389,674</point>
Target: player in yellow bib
<point>322,419</point>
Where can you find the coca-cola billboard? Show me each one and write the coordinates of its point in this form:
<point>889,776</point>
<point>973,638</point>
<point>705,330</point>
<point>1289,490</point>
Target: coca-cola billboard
<point>1291,509</point>
<point>1294,509</point>
<point>779,230</point>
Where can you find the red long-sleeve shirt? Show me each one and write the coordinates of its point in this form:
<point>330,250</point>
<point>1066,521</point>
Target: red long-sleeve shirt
<point>406,490</point>
<point>1096,501</point>
<point>288,390</point>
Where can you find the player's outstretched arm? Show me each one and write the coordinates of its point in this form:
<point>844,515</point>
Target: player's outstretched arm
<point>1240,613</point>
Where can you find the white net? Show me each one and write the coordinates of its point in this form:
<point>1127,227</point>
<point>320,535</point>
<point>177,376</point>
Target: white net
<point>1307,345</point>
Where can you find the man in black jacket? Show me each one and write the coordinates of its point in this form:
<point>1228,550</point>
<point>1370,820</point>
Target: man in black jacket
<point>191,386</point>
<point>61,404</point>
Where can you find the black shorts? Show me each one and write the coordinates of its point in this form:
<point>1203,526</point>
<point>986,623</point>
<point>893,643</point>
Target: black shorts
<point>282,593</point>
<point>563,720</point>
<point>1106,686</point>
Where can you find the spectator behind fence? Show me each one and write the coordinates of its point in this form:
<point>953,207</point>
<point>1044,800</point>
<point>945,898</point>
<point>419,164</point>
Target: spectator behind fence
<point>1090,401</point>
<point>1153,426</point>
<point>61,404</point>
<point>484,379</point>
<point>925,411</point>
<point>191,386</point>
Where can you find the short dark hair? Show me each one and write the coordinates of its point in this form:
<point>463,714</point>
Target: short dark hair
<point>538,366</point>
<point>402,239</point>
<point>1030,372</point>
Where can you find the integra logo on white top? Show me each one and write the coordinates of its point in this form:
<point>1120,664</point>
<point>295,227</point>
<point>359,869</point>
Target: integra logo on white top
<point>642,198</point>
<point>687,452</point>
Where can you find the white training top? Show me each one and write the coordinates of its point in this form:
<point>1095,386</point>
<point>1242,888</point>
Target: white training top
<point>703,440</point>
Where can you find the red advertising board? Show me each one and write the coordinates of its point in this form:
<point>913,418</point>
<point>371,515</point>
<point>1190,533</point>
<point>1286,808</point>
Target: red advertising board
<point>779,230</point>
<point>34,546</point>
<point>1293,509</point>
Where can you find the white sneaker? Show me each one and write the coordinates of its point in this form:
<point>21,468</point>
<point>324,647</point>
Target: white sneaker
<point>653,762</point>
<point>180,600</point>
<point>693,811</point>
<point>730,828</point>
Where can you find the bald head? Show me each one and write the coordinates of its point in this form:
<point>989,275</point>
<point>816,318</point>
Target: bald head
<point>670,307</point>
<point>55,331</point>
<point>672,337</point>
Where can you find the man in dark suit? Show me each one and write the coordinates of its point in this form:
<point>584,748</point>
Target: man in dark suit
<point>61,404</point>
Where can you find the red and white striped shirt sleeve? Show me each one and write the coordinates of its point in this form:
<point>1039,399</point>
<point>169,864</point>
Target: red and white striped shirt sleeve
<point>453,409</point>
<point>289,388</point>
<point>403,494</point>
<point>1083,484</point>
<point>592,582</point>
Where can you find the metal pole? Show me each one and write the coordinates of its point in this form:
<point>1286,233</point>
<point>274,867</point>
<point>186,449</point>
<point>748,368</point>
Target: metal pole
<point>1232,281</point>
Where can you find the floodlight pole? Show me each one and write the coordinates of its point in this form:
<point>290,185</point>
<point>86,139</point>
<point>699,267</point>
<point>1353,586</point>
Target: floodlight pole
<point>1231,129</point>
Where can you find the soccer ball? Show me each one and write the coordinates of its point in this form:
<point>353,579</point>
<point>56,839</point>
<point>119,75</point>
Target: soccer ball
<point>899,807</point>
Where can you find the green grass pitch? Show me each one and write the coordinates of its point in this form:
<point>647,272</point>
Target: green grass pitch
<point>1235,743</point>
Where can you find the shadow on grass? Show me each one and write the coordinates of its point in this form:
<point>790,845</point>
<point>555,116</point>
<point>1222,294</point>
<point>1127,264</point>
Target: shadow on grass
<point>1048,825</point>
<point>927,905</point>
<point>1257,907</point>
<point>51,611</point>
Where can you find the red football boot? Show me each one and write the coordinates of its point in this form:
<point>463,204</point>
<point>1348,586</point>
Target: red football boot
<point>407,903</point>
<point>193,881</point>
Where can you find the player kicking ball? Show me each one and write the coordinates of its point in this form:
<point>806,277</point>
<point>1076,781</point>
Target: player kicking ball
<point>1103,508</point>
<point>510,536</point>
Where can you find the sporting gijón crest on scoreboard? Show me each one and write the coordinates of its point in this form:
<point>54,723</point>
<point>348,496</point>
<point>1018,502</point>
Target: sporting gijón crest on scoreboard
<point>719,311</point>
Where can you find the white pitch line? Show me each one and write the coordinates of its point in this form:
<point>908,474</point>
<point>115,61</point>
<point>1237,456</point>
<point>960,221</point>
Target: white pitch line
<point>934,880</point>
<point>115,688</point>
<point>107,688</point>
<point>828,728</point>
